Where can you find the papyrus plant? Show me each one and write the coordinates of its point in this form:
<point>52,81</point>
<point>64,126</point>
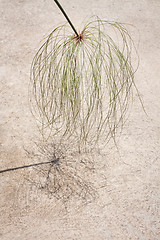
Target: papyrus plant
<point>83,82</point>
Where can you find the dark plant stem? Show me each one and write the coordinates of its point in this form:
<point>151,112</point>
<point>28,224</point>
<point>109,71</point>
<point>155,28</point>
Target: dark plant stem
<point>62,10</point>
<point>55,161</point>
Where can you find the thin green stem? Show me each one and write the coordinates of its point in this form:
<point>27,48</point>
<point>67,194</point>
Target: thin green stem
<point>64,13</point>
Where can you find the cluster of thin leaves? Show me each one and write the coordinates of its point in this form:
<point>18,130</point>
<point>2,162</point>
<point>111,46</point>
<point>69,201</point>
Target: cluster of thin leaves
<point>82,86</point>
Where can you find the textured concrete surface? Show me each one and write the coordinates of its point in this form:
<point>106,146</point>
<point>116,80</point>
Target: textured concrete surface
<point>127,180</point>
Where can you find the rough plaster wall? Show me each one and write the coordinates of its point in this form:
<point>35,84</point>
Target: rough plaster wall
<point>127,179</point>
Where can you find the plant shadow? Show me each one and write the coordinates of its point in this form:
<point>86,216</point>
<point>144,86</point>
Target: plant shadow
<point>68,176</point>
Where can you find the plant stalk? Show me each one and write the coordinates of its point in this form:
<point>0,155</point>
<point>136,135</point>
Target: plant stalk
<point>64,13</point>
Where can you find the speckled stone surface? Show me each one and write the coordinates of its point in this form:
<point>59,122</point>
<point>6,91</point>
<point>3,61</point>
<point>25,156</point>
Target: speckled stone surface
<point>127,179</point>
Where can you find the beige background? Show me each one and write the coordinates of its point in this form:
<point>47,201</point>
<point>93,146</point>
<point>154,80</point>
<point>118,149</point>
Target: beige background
<point>128,179</point>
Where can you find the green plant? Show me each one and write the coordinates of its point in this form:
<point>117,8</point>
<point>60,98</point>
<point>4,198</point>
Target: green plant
<point>82,83</point>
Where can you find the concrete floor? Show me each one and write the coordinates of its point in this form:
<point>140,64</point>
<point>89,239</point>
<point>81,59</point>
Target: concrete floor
<point>127,180</point>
